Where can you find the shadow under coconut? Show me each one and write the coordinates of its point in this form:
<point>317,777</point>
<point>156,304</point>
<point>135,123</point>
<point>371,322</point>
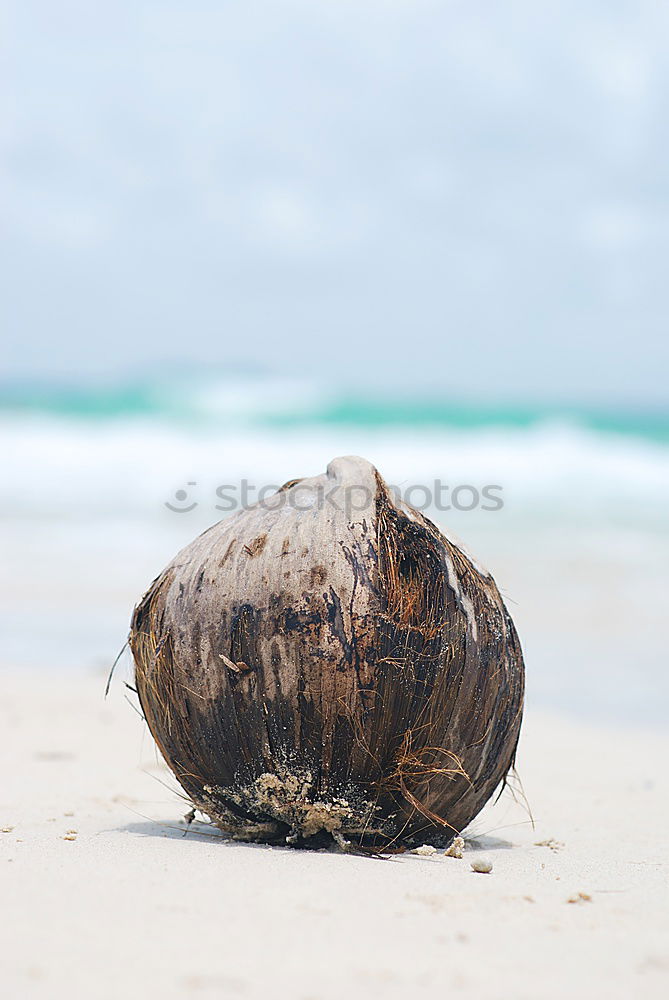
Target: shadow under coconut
<point>174,831</point>
<point>198,831</point>
<point>484,843</point>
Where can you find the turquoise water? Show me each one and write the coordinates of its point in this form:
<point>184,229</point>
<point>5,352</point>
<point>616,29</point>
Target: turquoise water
<point>262,403</point>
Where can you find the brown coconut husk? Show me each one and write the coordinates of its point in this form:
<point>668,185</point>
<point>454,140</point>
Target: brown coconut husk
<point>311,673</point>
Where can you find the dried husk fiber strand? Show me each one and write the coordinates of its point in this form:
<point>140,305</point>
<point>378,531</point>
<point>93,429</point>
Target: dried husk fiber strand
<point>311,673</point>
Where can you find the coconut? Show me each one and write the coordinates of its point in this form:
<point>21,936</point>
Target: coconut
<point>328,665</point>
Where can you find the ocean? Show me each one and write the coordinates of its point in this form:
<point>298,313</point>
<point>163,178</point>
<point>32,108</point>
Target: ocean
<point>566,505</point>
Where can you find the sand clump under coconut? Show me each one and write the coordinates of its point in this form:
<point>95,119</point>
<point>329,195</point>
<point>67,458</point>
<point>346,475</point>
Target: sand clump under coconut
<point>287,799</point>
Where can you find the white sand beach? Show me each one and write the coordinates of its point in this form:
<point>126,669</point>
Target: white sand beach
<point>104,896</point>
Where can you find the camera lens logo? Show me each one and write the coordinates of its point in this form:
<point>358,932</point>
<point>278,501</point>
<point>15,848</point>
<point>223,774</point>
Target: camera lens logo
<point>182,496</point>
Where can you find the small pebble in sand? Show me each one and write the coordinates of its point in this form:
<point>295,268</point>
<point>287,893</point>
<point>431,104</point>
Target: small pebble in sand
<point>580,897</point>
<point>456,849</point>
<point>551,842</point>
<point>425,850</point>
<point>482,865</point>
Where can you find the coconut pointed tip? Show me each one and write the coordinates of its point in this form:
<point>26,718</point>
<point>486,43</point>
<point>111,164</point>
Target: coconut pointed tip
<point>351,468</point>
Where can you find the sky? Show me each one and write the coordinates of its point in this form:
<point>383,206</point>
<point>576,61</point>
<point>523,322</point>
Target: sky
<point>468,195</point>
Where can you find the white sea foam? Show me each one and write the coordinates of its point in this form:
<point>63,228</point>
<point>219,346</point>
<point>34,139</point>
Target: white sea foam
<point>131,467</point>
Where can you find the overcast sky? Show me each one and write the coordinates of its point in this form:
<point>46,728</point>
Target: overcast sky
<point>471,194</point>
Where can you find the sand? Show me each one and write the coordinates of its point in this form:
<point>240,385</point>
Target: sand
<point>104,896</point>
